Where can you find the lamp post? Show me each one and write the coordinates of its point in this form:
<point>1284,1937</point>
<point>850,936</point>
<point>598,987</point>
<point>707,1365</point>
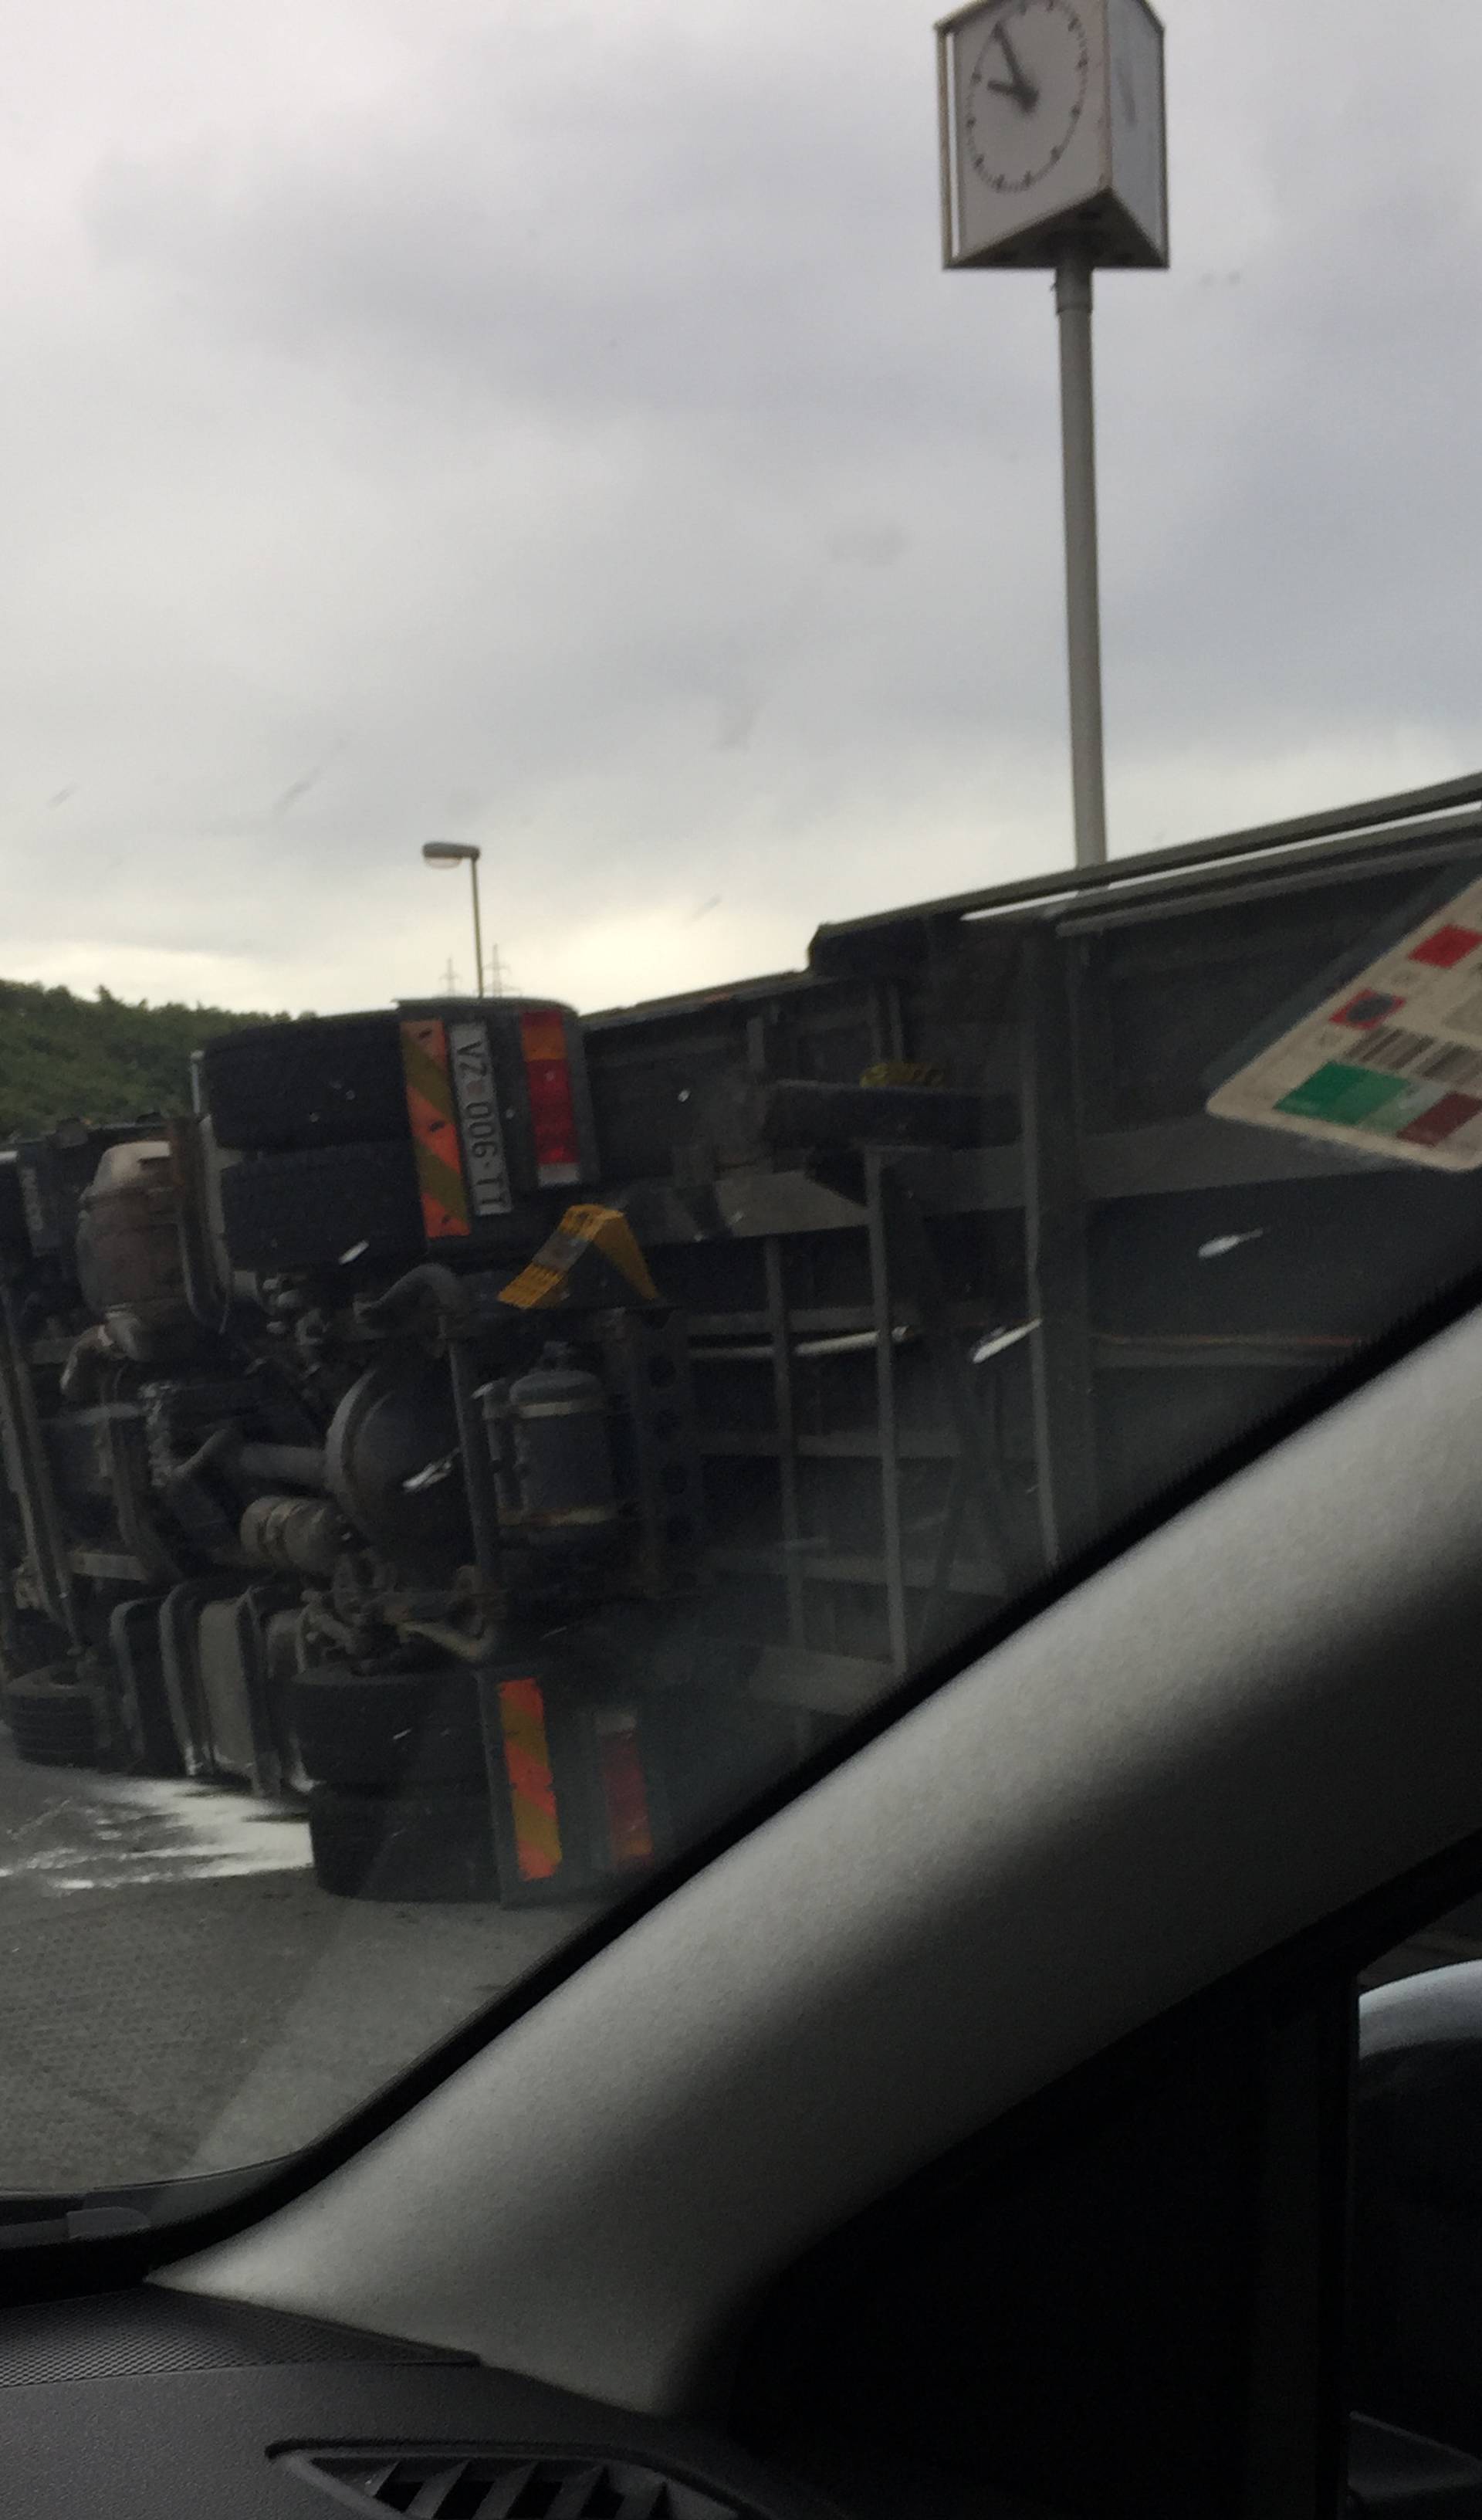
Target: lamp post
<point>453,853</point>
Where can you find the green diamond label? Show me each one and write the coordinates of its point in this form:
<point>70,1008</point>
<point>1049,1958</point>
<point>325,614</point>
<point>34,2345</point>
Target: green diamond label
<point>1388,1067</point>
<point>1347,1095</point>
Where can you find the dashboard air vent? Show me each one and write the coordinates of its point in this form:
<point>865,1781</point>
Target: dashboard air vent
<point>450,2484</point>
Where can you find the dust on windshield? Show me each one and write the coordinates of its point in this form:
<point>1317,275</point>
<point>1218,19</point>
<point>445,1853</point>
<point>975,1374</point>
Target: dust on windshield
<point>461,1443</point>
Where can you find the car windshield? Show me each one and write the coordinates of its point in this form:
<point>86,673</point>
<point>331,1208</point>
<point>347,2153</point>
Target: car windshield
<point>598,1170</point>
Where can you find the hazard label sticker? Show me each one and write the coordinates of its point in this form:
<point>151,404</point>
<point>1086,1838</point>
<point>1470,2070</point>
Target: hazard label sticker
<point>1392,1063</point>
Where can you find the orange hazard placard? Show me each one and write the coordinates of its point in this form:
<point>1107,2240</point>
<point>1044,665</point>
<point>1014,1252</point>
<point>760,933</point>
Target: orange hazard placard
<point>532,1779</point>
<point>435,1131</point>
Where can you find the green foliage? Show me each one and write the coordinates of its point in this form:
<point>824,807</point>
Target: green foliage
<point>64,1058</point>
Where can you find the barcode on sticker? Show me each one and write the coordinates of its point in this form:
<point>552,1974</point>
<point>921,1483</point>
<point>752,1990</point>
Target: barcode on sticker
<point>1468,1016</point>
<point>1398,1052</point>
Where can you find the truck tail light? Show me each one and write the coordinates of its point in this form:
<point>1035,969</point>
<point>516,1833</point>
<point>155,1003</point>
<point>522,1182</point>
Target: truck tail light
<point>553,1103</point>
<point>625,1792</point>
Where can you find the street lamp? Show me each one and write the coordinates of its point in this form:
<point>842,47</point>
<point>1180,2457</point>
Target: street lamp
<point>453,853</point>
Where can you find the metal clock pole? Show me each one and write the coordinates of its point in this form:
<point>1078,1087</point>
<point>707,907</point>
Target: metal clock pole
<point>1054,156</point>
<point>1082,597</point>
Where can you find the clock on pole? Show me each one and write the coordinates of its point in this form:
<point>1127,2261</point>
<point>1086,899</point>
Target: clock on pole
<point>1054,156</point>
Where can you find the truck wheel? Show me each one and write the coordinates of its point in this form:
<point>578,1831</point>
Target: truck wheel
<point>288,1210</point>
<point>402,1847</point>
<point>404,1727</point>
<point>330,1081</point>
<point>149,1726</point>
<point>51,1720</point>
<point>158,1751</point>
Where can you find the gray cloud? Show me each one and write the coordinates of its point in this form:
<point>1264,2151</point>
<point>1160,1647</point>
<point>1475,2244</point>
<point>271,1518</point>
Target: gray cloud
<point>551,425</point>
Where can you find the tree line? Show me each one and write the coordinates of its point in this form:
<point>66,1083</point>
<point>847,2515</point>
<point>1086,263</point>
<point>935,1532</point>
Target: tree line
<point>65,1058</point>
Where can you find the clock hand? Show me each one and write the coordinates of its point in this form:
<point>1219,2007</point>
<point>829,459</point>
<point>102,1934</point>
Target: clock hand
<point>1024,90</point>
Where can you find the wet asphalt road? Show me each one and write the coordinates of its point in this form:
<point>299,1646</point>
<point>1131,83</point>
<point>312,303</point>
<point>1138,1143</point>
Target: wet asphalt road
<point>178,1995</point>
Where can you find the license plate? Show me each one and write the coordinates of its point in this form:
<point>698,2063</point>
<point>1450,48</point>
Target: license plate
<point>483,1136</point>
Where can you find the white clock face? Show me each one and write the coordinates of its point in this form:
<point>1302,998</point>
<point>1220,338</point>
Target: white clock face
<point>1026,93</point>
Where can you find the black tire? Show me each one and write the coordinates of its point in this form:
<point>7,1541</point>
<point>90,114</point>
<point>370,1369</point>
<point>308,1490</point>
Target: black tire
<point>51,1720</point>
<point>149,1744</point>
<point>158,1749</point>
<point>391,1729</point>
<point>303,1209</point>
<point>326,1081</point>
<point>402,1847</point>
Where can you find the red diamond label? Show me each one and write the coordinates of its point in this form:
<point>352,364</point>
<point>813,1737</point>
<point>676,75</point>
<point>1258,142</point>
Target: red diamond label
<point>1435,1126</point>
<point>1370,1007</point>
<point>1447,947</point>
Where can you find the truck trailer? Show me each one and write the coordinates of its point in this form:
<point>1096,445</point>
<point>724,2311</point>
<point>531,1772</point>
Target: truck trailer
<point>519,1437</point>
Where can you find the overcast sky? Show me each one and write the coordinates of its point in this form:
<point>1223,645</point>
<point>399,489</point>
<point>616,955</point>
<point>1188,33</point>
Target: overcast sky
<point>546,423</point>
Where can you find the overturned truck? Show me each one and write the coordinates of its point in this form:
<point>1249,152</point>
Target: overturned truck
<point>516,1435</point>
